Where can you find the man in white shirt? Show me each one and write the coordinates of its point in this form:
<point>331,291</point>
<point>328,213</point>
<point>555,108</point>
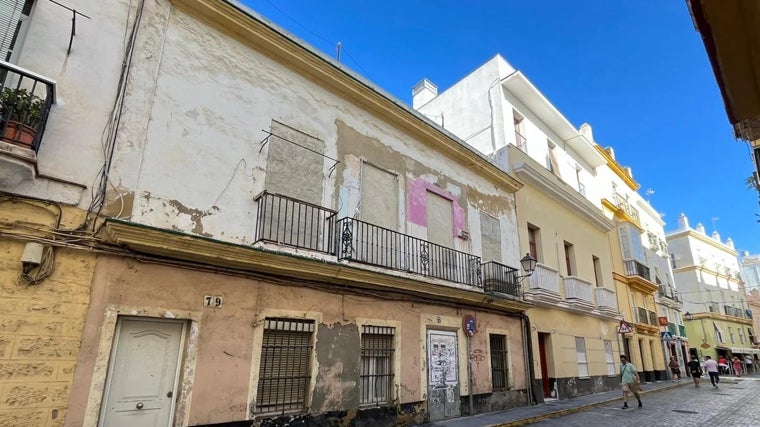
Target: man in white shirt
<point>711,367</point>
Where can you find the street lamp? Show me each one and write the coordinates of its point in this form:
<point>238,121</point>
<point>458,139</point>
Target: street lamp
<point>528,264</point>
<point>688,316</point>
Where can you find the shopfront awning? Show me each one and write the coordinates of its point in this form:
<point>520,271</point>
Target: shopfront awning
<point>741,350</point>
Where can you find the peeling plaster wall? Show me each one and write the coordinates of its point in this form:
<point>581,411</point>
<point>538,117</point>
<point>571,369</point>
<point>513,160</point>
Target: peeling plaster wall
<point>225,350</point>
<point>201,149</point>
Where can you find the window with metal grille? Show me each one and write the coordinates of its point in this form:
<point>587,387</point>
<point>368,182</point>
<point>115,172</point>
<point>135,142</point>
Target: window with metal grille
<point>499,364</point>
<point>377,364</point>
<point>284,370</point>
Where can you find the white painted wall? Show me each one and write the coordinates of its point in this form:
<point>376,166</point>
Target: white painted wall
<point>86,86</point>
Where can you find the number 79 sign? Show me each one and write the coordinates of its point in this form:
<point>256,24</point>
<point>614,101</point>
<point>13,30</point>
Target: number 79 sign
<point>214,301</point>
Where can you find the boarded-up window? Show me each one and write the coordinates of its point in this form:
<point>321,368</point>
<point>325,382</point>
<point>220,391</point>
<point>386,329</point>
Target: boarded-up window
<point>379,197</point>
<point>490,230</point>
<point>292,169</point>
<point>440,220</point>
<point>580,354</point>
<point>499,362</point>
<point>608,358</point>
<point>377,363</point>
<point>284,370</point>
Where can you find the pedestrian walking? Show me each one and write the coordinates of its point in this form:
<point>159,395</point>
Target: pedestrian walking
<point>629,380</point>
<point>748,362</point>
<point>694,370</point>
<point>723,364</point>
<point>713,371</point>
<point>675,369</point>
<point>737,365</point>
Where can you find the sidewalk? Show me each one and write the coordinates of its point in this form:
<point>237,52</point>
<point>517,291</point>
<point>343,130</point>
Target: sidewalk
<point>552,409</point>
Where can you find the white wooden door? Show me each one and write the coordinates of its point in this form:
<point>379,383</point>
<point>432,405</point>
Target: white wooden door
<point>142,377</point>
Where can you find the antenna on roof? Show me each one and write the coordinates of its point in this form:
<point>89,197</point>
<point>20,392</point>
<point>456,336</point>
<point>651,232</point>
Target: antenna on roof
<point>714,220</point>
<point>338,52</point>
<point>648,193</point>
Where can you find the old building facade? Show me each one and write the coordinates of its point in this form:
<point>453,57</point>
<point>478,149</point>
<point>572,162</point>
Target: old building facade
<point>499,111</point>
<point>250,232</point>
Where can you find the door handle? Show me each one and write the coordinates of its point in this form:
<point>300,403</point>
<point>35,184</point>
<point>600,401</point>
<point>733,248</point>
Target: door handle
<point>139,405</point>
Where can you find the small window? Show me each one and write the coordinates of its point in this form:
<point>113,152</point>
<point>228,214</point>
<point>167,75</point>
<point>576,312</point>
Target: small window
<point>551,158</point>
<point>499,362</point>
<point>284,372</point>
<point>580,353</point>
<point>731,334</point>
<point>377,364</point>
<point>608,357</point>
<point>520,140</point>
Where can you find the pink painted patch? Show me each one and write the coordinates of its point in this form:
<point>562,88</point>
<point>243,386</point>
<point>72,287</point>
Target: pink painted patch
<point>418,189</point>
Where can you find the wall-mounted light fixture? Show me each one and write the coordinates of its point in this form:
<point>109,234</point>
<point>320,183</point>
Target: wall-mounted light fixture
<point>528,264</point>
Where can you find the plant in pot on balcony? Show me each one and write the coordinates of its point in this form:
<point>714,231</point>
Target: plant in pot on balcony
<point>20,113</point>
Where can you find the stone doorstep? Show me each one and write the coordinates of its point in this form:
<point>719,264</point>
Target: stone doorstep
<point>581,408</point>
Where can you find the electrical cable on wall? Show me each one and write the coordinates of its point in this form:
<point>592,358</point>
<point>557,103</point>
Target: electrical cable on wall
<point>35,274</point>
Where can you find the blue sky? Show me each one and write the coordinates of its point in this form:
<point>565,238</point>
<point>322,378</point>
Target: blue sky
<point>636,71</point>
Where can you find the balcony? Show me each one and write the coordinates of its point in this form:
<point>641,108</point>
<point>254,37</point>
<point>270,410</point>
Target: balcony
<point>578,291</point>
<point>520,141</point>
<point>626,206</point>
<point>500,278</point>
<point>635,268</point>
<point>25,102</point>
<point>606,299</point>
<point>287,221</point>
<point>370,244</point>
<point>544,285</point>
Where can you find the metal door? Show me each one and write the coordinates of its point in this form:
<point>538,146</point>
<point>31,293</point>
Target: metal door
<point>443,375</point>
<point>143,373</point>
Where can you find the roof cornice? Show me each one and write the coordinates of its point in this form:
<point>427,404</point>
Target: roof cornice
<point>703,238</point>
<point>241,24</point>
<point>617,169</point>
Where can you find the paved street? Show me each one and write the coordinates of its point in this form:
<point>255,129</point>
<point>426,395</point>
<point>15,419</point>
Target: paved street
<point>734,404</point>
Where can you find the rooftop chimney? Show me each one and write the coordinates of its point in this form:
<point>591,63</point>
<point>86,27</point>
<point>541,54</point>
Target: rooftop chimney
<point>423,92</point>
<point>683,222</point>
<point>610,151</point>
<point>730,243</point>
<point>700,228</point>
<point>715,235</point>
<point>587,132</point>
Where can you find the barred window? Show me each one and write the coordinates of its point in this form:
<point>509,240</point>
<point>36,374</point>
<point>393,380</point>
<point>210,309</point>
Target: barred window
<point>377,363</point>
<point>499,363</point>
<point>284,370</point>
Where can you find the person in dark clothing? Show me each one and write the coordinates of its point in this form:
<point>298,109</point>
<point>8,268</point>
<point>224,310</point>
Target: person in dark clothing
<point>694,370</point>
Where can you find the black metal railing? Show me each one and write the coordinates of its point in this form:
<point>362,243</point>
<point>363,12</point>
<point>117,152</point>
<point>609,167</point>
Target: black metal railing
<point>25,102</point>
<point>635,268</point>
<point>500,278</point>
<point>367,243</point>
<point>288,221</point>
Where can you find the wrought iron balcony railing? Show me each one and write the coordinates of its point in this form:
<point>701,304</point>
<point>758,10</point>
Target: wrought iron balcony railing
<point>605,298</point>
<point>367,243</point>
<point>500,278</point>
<point>25,102</point>
<point>288,221</point>
<point>635,268</point>
<point>626,206</point>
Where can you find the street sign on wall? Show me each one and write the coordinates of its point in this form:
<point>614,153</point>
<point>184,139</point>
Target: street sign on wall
<point>624,328</point>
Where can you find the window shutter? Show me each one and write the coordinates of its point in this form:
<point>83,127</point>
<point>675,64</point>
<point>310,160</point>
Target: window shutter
<point>11,12</point>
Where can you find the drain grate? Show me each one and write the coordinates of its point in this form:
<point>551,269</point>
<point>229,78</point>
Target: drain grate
<point>681,411</point>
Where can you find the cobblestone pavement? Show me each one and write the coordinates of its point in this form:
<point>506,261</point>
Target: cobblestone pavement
<point>734,404</point>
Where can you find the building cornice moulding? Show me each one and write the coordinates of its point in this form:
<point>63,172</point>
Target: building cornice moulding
<point>551,187</point>
<point>202,250</point>
<point>703,238</point>
<point>241,24</point>
<point>617,169</point>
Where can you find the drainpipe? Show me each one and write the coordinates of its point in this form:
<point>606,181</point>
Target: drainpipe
<point>528,355</point>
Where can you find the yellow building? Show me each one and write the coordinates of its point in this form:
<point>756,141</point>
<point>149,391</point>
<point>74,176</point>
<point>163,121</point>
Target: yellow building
<point>643,277</point>
<point>44,301</point>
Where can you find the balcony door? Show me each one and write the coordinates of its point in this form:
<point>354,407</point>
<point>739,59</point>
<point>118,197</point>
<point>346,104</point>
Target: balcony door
<point>440,230</point>
<point>378,242</point>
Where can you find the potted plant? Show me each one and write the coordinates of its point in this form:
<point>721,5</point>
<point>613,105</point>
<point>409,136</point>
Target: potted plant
<point>21,113</point>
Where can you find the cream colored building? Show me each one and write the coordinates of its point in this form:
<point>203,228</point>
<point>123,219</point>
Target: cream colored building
<point>574,324</point>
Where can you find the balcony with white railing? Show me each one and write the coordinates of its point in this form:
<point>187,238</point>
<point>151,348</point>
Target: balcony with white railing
<point>544,284</point>
<point>578,292</point>
<point>606,300</point>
